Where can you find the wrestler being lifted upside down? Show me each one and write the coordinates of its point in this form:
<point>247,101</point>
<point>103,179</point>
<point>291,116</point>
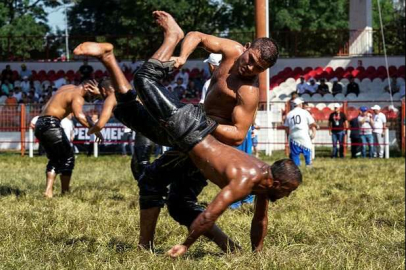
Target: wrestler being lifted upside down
<point>236,173</point>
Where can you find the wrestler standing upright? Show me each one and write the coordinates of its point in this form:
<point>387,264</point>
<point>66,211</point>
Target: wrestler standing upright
<point>48,130</point>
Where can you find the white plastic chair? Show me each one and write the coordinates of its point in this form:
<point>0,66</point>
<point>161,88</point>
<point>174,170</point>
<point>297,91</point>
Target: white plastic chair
<point>396,96</point>
<point>306,97</point>
<point>366,80</point>
<point>344,81</point>
<point>317,97</point>
<point>340,97</point>
<point>291,81</point>
<point>376,81</point>
<point>321,106</point>
<point>331,106</point>
<point>328,97</point>
<point>352,96</point>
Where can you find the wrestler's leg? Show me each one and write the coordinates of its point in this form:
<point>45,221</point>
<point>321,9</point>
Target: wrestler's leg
<point>104,51</point>
<point>50,179</point>
<point>65,182</point>
<point>148,221</point>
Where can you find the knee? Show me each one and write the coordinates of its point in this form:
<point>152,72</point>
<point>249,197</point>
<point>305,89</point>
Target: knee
<point>184,212</point>
<point>150,195</point>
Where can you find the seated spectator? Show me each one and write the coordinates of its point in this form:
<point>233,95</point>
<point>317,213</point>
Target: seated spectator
<point>192,91</point>
<point>312,87</point>
<point>24,99</point>
<point>6,87</point>
<point>322,89</point>
<point>25,84</point>
<point>7,74</point>
<point>352,87</point>
<point>394,86</point>
<point>302,86</point>
<point>86,71</point>
<point>60,82</point>
<point>179,88</point>
<point>24,72</point>
<point>17,93</point>
<point>184,75</point>
<point>11,100</point>
<point>3,99</point>
<point>337,88</point>
<point>33,96</point>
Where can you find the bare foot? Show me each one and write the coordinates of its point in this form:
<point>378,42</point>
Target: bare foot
<point>168,24</point>
<point>98,50</point>
<point>48,194</point>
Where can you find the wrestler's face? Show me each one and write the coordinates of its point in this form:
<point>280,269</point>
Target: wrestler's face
<point>277,191</point>
<point>250,64</point>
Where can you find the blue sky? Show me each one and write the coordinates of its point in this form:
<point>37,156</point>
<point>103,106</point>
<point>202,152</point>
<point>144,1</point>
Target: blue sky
<point>56,18</point>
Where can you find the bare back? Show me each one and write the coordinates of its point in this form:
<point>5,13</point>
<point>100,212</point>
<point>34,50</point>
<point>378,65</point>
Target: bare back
<point>60,104</point>
<point>233,164</point>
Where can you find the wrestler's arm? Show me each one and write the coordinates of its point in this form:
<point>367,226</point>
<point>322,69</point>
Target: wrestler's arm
<point>77,108</point>
<point>105,114</point>
<point>210,43</point>
<point>259,223</point>
<point>206,220</point>
<point>242,118</point>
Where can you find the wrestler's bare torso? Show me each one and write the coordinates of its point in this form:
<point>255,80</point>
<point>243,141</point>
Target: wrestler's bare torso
<point>60,104</point>
<point>224,92</point>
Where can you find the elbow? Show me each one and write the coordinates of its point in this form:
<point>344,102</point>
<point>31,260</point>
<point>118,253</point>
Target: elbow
<point>239,140</point>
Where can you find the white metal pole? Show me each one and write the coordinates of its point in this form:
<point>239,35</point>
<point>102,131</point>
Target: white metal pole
<point>268,107</point>
<point>31,142</point>
<point>386,143</point>
<point>95,147</point>
<point>66,35</point>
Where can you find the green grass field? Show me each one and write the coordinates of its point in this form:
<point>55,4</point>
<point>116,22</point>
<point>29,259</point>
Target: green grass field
<point>348,214</point>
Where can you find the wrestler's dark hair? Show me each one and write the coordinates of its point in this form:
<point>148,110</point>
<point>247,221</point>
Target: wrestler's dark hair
<point>286,172</point>
<point>268,48</point>
<point>105,83</point>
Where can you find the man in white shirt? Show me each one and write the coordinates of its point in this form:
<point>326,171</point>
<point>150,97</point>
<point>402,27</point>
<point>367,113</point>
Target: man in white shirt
<point>25,85</point>
<point>68,127</point>
<point>17,93</point>
<point>299,121</point>
<point>379,130</point>
<point>302,86</point>
<point>184,75</point>
<point>213,62</point>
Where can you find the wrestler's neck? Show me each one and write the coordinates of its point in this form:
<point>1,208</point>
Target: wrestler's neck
<point>234,71</point>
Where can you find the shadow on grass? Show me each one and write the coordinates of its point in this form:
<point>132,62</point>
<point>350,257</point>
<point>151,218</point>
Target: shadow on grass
<point>196,255</point>
<point>119,246</point>
<point>7,191</point>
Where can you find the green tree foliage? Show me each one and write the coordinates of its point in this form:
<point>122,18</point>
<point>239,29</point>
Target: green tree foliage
<point>134,18</point>
<point>21,22</point>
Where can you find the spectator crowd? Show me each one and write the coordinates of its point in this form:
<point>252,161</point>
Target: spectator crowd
<point>21,87</point>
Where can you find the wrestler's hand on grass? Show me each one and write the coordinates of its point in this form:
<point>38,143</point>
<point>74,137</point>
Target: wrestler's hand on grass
<point>179,61</point>
<point>177,250</point>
